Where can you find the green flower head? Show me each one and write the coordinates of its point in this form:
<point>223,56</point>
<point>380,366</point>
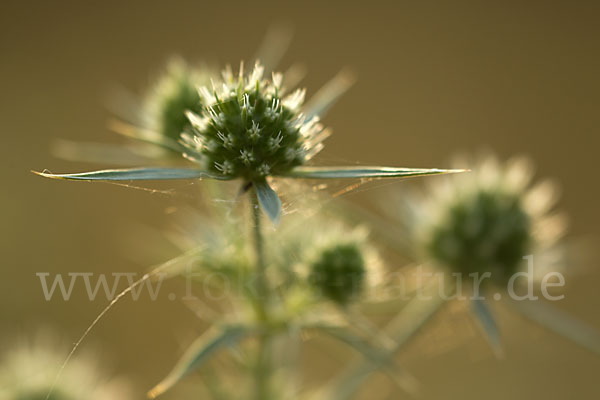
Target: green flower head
<point>338,272</point>
<point>486,231</point>
<point>488,220</point>
<point>251,128</point>
<point>173,94</point>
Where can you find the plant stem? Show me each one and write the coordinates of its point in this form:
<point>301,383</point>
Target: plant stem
<point>263,367</point>
<point>262,287</point>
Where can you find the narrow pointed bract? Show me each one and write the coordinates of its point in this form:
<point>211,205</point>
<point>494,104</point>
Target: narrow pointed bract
<point>134,174</point>
<point>198,353</point>
<point>364,172</point>
<point>488,323</point>
<point>268,200</point>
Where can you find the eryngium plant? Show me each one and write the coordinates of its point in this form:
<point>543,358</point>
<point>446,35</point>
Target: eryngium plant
<point>491,226</point>
<point>489,221</point>
<point>469,227</point>
<point>302,303</point>
<point>251,128</point>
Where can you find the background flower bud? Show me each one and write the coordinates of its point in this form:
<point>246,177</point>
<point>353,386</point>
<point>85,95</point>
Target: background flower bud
<point>338,272</point>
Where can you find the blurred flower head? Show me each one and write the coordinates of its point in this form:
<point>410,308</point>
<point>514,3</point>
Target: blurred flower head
<point>251,127</point>
<point>488,220</point>
<point>338,272</point>
<point>171,96</point>
<point>28,371</point>
<point>335,260</point>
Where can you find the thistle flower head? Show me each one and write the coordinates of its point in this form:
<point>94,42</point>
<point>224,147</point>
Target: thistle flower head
<point>488,220</point>
<point>338,272</point>
<point>174,93</point>
<point>335,260</point>
<point>251,128</point>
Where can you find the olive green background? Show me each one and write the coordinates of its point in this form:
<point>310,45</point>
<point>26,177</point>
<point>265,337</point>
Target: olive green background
<point>435,78</point>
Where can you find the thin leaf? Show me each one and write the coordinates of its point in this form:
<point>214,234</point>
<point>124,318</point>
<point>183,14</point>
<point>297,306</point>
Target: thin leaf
<point>488,325</point>
<point>198,353</point>
<point>345,336</point>
<point>363,172</point>
<point>320,102</point>
<point>416,313</point>
<point>560,323</point>
<point>374,355</point>
<point>401,329</point>
<point>134,174</point>
<point>268,200</point>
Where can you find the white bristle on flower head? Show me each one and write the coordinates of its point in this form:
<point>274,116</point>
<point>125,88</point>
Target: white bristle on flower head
<point>248,113</point>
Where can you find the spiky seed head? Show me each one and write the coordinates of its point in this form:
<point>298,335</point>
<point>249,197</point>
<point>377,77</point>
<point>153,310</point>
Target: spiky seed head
<point>338,272</point>
<point>488,220</point>
<point>174,93</point>
<point>250,128</point>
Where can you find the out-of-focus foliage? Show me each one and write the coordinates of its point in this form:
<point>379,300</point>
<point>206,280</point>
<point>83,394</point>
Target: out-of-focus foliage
<point>29,371</point>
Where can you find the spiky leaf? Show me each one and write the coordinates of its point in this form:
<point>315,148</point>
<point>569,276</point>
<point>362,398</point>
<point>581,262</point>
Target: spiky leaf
<point>134,174</point>
<point>199,352</point>
<point>363,172</point>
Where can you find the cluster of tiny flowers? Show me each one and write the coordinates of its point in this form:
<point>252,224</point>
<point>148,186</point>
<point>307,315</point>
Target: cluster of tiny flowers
<point>250,128</point>
<point>174,93</point>
<point>489,221</point>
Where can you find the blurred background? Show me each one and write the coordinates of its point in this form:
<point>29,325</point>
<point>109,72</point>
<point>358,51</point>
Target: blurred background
<point>434,78</point>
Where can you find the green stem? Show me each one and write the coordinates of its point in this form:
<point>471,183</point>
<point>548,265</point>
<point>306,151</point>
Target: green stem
<point>262,291</point>
<point>263,367</point>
